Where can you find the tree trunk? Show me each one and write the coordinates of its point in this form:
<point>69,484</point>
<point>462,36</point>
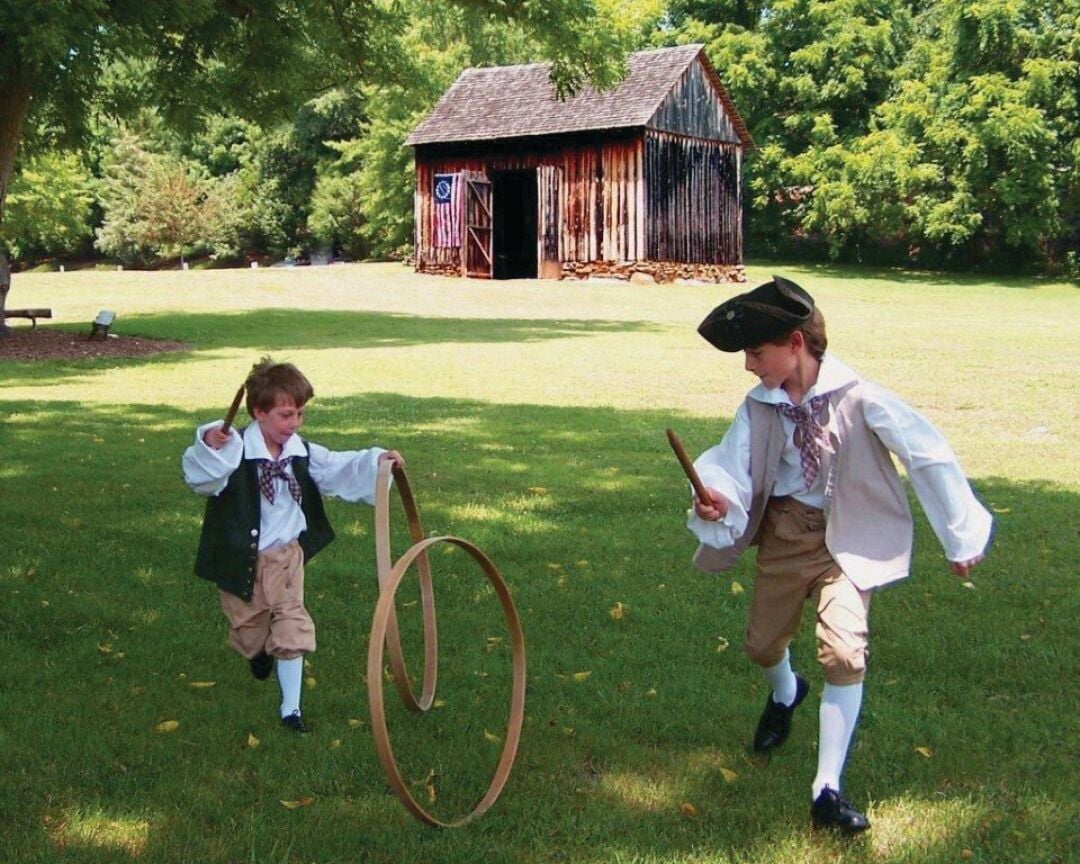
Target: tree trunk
<point>15,97</point>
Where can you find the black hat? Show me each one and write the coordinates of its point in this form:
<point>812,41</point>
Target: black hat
<point>768,312</point>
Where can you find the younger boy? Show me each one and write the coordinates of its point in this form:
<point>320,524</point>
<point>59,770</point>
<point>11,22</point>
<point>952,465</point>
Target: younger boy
<point>805,474</point>
<point>265,519</point>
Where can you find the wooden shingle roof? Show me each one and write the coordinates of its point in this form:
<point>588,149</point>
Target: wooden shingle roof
<point>489,103</point>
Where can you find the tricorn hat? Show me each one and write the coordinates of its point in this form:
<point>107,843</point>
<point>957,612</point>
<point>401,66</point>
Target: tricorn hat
<point>762,315</point>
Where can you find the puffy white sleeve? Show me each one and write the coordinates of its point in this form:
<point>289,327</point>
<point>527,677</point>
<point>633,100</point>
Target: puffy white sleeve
<point>207,470</point>
<point>962,525</point>
<point>726,468</point>
<point>346,474</point>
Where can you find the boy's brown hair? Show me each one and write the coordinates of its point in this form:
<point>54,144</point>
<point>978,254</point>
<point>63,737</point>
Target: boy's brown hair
<point>813,332</point>
<point>268,382</point>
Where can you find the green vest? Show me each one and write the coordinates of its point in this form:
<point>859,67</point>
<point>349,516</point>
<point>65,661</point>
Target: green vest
<point>229,543</point>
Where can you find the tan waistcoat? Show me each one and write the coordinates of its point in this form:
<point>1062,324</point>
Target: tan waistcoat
<point>869,527</point>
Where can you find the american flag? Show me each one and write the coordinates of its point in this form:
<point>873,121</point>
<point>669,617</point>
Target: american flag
<point>447,215</point>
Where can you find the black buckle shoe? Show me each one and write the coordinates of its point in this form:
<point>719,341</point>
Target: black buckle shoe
<point>261,665</point>
<point>295,723</point>
<point>832,810</point>
<point>775,723</point>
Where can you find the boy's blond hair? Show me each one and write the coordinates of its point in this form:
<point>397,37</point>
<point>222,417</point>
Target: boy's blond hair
<point>268,382</point>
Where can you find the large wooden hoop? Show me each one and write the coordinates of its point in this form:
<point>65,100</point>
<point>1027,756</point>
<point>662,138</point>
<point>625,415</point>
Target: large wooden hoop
<point>385,622</point>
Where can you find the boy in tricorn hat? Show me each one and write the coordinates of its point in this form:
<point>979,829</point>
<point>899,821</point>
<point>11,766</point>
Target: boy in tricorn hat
<point>805,474</point>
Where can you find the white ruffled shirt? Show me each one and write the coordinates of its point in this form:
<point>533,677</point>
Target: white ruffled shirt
<point>346,474</point>
<point>961,524</point>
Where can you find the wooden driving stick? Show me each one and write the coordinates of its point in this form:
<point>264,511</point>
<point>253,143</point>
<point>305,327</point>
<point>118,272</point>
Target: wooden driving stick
<point>231,415</point>
<point>688,467</point>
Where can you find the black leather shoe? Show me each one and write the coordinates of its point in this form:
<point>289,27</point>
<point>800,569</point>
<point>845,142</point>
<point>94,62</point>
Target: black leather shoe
<point>261,665</point>
<point>831,810</point>
<point>775,722</point>
<point>295,723</point>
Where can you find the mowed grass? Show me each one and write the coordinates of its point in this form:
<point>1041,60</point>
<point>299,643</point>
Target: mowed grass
<point>532,416</point>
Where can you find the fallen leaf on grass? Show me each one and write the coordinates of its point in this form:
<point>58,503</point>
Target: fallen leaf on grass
<point>688,809</point>
<point>925,752</point>
<point>581,676</point>
<point>721,644</point>
<point>736,588</point>
<point>617,611</point>
<point>728,775</point>
<point>298,803</point>
<point>650,693</point>
<point>429,786</point>
<point>439,703</point>
<point>335,744</point>
<point>353,722</point>
<point>968,585</point>
<point>494,739</point>
<point>309,683</point>
<point>252,742</point>
<point>167,726</point>
<point>105,648</point>
<point>493,642</point>
<point>202,685</point>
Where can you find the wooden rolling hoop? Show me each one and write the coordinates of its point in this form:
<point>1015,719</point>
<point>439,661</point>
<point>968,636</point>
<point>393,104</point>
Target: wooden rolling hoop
<point>384,635</point>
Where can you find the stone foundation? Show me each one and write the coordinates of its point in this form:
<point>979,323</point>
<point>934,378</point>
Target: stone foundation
<point>436,269</point>
<point>654,271</point>
<point>631,271</point>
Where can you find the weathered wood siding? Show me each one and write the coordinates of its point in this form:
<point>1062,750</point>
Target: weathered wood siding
<point>693,211</point>
<point>693,107</point>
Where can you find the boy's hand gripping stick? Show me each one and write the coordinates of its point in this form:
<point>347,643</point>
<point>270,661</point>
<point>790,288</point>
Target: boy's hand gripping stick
<point>688,468</point>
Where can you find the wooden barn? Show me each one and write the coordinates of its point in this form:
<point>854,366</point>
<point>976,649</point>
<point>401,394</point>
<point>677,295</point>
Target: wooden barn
<point>645,178</point>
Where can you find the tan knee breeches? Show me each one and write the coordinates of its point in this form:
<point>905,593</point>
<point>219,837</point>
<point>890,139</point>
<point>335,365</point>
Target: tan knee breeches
<point>793,565</point>
<point>275,621</point>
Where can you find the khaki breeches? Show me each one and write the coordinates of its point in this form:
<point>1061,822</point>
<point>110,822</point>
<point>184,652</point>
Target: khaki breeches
<point>794,565</point>
<point>275,621</point>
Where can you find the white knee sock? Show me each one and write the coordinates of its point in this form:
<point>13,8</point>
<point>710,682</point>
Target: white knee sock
<point>782,680</point>
<point>838,715</point>
<point>290,675</point>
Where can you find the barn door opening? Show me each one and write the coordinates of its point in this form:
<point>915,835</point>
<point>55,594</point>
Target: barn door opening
<point>514,211</point>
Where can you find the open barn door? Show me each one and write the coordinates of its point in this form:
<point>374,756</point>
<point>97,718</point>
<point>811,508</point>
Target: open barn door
<point>548,184</point>
<point>476,260</point>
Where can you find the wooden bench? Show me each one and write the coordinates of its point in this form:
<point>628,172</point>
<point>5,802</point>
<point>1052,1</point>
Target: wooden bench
<point>32,314</point>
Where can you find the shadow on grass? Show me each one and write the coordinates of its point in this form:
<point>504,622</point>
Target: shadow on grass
<point>629,718</point>
<point>281,330</point>
<point>290,329</point>
<point>904,275</point>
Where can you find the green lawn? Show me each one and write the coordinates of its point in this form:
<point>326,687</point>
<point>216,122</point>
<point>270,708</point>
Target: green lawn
<point>532,417</point>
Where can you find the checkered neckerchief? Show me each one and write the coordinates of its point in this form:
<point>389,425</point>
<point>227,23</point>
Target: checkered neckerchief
<point>811,420</point>
<point>268,470</point>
